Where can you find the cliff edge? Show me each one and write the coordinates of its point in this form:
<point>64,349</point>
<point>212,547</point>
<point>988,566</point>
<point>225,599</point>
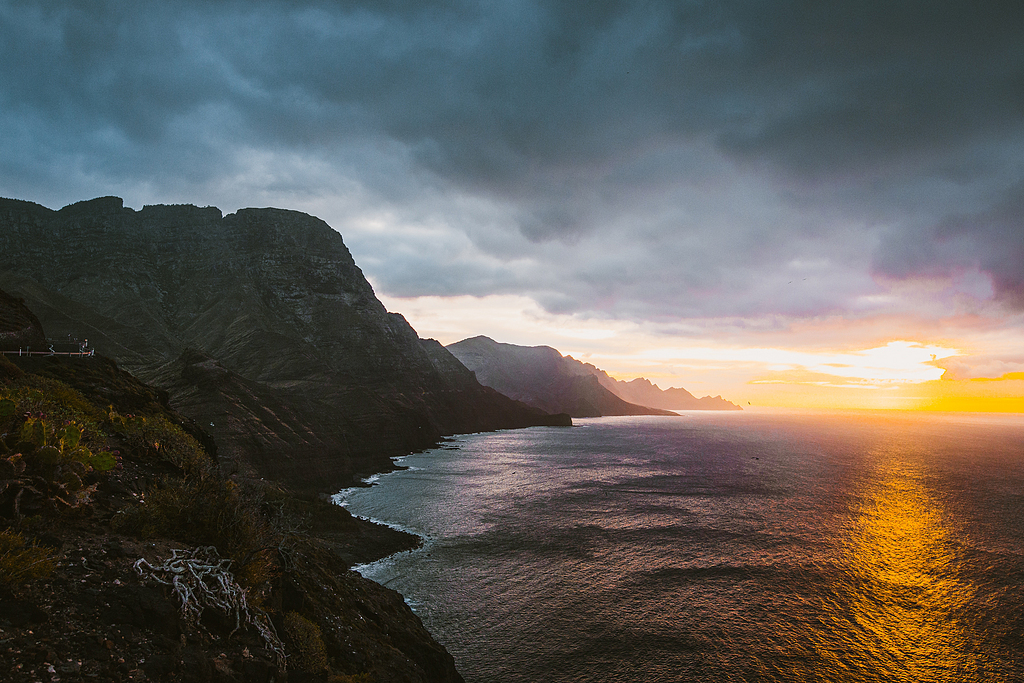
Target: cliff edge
<point>258,321</point>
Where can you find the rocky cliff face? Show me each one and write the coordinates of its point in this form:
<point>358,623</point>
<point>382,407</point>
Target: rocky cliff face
<point>19,328</point>
<point>260,322</point>
<point>542,377</point>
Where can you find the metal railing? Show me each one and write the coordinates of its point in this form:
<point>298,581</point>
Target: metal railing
<point>72,354</point>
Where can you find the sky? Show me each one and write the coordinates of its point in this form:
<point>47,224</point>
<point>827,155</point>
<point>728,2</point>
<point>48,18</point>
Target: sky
<point>807,203</point>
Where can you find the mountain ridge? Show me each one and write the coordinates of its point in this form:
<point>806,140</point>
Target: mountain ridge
<point>261,319</point>
<point>642,390</point>
<point>543,377</point>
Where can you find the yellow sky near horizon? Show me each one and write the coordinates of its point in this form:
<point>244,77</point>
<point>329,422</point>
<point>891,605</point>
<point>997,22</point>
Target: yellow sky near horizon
<point>837,364</point>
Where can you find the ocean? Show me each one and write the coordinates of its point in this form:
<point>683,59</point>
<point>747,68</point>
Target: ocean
<point>718,546</point>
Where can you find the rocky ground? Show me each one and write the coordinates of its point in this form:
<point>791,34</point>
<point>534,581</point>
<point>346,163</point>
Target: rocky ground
<point>97,617</point>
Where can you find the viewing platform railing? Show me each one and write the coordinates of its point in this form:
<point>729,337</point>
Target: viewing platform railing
<point>72,354</point>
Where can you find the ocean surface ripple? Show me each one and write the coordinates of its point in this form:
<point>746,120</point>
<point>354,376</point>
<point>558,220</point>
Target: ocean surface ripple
<point>718,547</point>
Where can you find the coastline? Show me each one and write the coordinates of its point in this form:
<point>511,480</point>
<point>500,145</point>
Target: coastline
<point>91,612</point>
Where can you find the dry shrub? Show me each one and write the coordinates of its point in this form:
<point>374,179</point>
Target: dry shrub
<point>306,643</point>
<point>21,562</point>
<point>201,579</point>
<point>9,370</point>
<point>162,438</point>
<point>202,511</point>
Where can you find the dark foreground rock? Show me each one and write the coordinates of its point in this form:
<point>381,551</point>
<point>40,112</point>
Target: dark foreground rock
<point>96,619</point>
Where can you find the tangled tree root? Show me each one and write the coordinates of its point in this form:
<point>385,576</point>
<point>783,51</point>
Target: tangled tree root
<point>200,579</point>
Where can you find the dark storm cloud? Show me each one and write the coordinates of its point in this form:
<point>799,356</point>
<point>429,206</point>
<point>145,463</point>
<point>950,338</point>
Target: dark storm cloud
<point>991,240</point>
<point>568,113</point>
<point>855,85</point>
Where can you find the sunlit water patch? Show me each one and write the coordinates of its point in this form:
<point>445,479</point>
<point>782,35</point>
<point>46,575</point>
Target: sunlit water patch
<point>717,547</point>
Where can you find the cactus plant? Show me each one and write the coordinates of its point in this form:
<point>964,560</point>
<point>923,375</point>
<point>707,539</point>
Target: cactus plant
<point>48,465</point>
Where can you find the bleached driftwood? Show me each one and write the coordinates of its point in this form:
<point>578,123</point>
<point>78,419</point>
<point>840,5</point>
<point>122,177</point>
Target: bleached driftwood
<point>200,579</point>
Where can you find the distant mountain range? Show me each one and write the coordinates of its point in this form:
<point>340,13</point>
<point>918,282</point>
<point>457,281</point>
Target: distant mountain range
<point>259,323</point>
<point>642,391</point>
<point>542,377</point>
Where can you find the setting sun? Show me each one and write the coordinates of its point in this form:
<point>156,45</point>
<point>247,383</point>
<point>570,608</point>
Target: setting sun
<point>948,372</point>
<point>638,342</point>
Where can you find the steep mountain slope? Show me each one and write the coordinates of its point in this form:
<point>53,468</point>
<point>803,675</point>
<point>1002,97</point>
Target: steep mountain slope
<point>260,321</point>
<point>542,377</point>
<point>19,328</point>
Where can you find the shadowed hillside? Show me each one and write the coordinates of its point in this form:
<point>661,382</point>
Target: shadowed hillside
<point>542,377</point>
<point>259,321</point>
<point>19,328</point>
<point>106,493</point>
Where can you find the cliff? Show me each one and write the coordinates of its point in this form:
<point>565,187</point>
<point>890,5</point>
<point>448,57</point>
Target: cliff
<point>19,328</point>
<point>260,322</point>
<point>543,378</point>
<point>101,481</point>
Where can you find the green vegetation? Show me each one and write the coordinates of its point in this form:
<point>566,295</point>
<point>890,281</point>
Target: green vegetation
<point>198,507</point>
<point>56,447</point>
<point>54,451</point>
<point>36,395</point>
<point>158,437</point>
<point>50,446</point>
<point>208,511</point>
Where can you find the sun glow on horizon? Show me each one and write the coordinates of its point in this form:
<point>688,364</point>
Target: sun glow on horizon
<point>899,361</point>
<point>829,364</point>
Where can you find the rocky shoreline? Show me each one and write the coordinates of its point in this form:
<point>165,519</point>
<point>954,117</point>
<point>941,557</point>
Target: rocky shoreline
<point>93,616</point>
<point>295,380</point>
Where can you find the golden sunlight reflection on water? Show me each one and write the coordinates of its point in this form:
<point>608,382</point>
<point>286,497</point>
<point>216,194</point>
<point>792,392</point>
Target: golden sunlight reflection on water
<point>774,549</point>
<point>894,613</point>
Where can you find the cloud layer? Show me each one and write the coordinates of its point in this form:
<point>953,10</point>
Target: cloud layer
<point>655,161</point>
